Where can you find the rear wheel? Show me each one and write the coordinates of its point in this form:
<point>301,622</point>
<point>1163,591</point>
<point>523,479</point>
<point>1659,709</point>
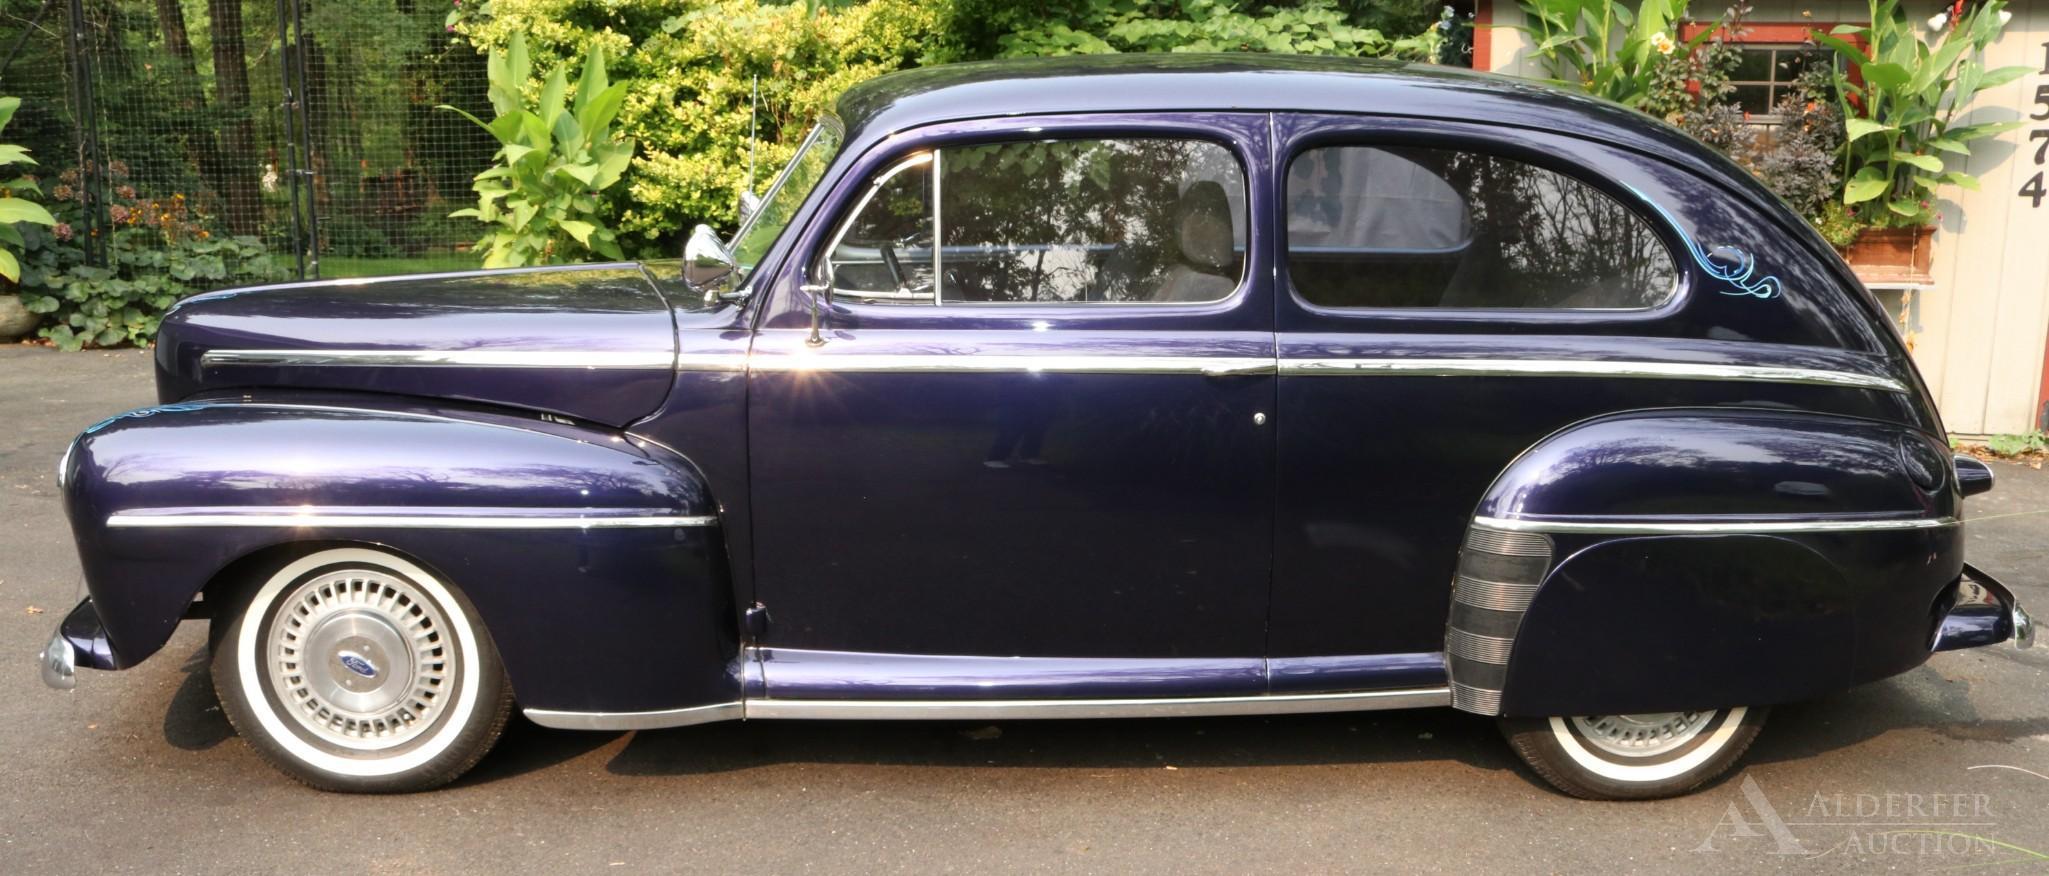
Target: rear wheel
<point>354,669</point>
<point>1634,757</point>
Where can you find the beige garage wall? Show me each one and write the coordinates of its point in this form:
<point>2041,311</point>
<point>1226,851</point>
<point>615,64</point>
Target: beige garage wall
<point>1978,334</point>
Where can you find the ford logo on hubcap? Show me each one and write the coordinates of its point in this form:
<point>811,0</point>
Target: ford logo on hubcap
<point>358,664</point>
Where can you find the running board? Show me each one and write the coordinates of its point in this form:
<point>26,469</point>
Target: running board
<point>991,710</point>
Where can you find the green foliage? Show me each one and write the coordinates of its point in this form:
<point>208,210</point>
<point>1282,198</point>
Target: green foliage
<point>691,67</point>
<point>543,197</point>
<point>158,251</point>
<point>2017,445</point>
<point>123,302</point>
<point>1901,115</point>
<point>1606,48</point>
<point>15,204</point>
<point>1315,27</point>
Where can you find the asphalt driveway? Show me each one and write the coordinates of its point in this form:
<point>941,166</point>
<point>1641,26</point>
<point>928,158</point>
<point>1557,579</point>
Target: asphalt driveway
<point>137,771</point>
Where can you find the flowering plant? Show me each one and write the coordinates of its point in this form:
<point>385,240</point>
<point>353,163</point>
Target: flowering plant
<point>1604,47</point>
<point>1901,108</point>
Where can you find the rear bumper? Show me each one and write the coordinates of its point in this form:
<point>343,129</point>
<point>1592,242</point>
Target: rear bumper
<point>1984,612</point>
<point>80,640</point>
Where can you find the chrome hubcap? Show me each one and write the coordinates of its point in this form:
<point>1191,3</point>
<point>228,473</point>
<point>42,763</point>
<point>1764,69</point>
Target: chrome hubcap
<point>361,659</point>
<point>1645,735</point>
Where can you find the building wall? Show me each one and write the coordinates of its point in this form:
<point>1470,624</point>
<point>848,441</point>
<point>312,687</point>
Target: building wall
<point>1979,334</point>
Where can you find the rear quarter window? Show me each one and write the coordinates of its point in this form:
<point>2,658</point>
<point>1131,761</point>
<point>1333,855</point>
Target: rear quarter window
<point>1404,227</point>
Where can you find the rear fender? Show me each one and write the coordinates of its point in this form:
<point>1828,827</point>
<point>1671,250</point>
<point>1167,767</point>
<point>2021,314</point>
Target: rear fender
<point>1691,559</point>
<point>593,558</point>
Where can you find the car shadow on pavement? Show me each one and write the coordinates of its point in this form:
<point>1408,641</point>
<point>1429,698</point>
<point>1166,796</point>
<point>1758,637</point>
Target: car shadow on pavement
<point>1921,699</point>
<point>194,721</point>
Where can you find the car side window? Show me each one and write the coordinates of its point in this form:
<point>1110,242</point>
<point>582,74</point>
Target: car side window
<point>1103,221</point>
<point>1402,227</point>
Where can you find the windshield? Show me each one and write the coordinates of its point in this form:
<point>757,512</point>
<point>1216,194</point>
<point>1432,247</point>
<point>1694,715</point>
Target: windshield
<point>786,194</point>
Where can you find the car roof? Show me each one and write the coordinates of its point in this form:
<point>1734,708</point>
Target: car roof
<point>1173,82</point>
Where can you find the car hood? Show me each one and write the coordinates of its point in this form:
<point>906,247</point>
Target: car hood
<point>594,342</point>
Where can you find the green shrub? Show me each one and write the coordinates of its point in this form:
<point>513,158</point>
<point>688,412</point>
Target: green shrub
<point>691,67</point>
<point>2017,445</point>
<point>159,249</point>
<point>557,160</point>
<point>123,302</point>
<point>1316,27</point>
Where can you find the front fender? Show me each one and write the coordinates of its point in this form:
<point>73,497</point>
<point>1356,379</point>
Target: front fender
<point>594,559</point>
<point>1703,558</point>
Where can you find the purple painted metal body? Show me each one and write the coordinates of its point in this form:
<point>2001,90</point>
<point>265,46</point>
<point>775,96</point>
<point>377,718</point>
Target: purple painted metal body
<point>1750,487</point>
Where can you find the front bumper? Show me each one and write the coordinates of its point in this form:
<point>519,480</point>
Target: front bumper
<point>80,640</point>
<point>1984,612</point>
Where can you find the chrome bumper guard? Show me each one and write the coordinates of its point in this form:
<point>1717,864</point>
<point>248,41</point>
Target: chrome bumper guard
<point>80,640</point>
<point>60,663</point>
<point>1984,612</point>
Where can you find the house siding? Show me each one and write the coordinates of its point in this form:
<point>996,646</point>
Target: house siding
<point>1979,333</point>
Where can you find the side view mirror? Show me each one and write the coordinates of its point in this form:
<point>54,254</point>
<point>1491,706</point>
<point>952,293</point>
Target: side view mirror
<point>750,204</point>
<point>707,263</point>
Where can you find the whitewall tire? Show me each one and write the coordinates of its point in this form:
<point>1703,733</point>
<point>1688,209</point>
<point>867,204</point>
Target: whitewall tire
<point>1634,757</point>
<point>354,669</point>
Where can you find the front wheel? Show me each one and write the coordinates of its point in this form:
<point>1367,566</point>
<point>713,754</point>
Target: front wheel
<point>356,670</point>
<point>1634,757</point>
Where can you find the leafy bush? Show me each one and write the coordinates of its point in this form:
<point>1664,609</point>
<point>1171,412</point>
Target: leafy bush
<point>691,67</point>
<point>123,302</point>
<point>1606,48</point>
<point>555,162</point>
<point>1799,162</point>
<point>15,206</point>
<point>1902,107</point>
<point>2017,445</point>
<point>1316,27</point>
<point>158,251</point>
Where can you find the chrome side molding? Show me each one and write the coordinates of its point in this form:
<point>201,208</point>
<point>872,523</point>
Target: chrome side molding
<point>974,363</point>
<point>586,359</point>
<point>1709,525</point>
<point>1164,707</point>
<point>560,720</point>
<point>990,710</point>
<point>1308,367</point>
<point>336,518</point>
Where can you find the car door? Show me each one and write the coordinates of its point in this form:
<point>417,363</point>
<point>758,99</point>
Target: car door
<point>1033,421</point>
<point>1449,294</point>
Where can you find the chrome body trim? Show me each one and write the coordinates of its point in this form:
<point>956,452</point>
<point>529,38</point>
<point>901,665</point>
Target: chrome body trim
<point>328,518</point>
<point>977,363</point>
<point>1684,525</point>
<point>1212,366</point>
<point>1164,707</point>
<point>1508,544</point>
<point>1584,368</point>
<point>1495,595</point>
<point>1477,700</point>
<point>734,362</point>
<point>559,720</point>
<point>586,359</point>
<point>1473,646</point>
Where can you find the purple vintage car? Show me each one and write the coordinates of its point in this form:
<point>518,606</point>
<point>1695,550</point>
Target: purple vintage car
<point>1084,388</point>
